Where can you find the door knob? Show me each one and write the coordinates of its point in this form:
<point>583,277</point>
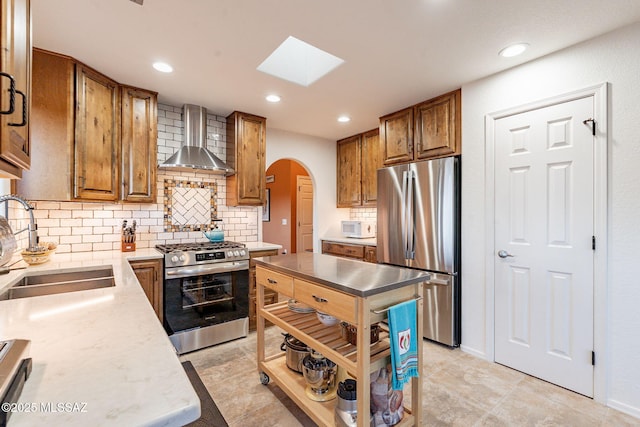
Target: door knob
<point>504,254</point>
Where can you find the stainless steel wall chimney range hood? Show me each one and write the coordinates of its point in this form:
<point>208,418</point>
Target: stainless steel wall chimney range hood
<point>194,153</point>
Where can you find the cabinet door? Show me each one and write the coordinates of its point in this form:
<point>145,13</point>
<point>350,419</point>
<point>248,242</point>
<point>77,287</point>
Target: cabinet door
<point>139,145</point>
<point>370,165</point>
<point>15,61</point>
<point>438,126</point>
<point>52,128</point>
<point>349,170</point>
<point>371,254</point>
<point>97,142</point>
<point>148,274</point>
<point>246,142</point>
<point>396,135</point>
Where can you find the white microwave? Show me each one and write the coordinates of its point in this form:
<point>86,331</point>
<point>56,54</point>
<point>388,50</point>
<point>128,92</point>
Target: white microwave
<point>359,229</point>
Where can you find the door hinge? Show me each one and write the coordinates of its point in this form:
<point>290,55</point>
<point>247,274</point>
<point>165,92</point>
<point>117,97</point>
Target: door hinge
<point>593,243</point>
<point>593,358</point>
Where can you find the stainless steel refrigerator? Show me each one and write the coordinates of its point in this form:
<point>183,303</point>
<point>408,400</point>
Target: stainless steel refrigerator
<point>419,227</point>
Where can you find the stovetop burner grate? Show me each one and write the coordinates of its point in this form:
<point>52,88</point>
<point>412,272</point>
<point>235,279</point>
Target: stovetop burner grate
<point>203,246</point>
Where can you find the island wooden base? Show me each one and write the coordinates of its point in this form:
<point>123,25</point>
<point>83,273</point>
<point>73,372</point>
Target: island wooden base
<point>294,385</point>
<point>304,278</point>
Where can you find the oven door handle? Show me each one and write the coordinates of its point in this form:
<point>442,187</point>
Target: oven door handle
<point>201,270</point>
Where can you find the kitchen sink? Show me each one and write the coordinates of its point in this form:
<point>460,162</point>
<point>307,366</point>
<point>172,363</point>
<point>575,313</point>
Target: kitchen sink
<point>38,284</point>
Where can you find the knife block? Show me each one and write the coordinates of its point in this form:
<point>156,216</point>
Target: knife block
<point>128,247</point>
<point>128,243</point>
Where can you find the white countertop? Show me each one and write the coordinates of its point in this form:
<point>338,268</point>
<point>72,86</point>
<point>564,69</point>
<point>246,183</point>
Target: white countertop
<point>352,240</point>
<point>102,352</point>
<point>261,246</point>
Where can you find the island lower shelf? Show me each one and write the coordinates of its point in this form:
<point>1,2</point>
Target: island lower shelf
<point>307,328</point>
<point>294,385</point>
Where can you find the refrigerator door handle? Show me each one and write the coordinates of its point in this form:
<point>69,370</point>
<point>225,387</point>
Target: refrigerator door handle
<point>403,213</point>
<point>410,251</point>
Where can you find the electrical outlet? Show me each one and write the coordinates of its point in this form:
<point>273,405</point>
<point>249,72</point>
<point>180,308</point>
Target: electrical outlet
<point>284,221</point>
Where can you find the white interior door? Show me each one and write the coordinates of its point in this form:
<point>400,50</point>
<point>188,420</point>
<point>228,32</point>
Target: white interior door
<point>544,223</point>
<point>304,213</point>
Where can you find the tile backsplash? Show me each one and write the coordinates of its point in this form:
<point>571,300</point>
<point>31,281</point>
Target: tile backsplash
<point>84,226</point>
<point>363,214</point>
<point>189,205</point>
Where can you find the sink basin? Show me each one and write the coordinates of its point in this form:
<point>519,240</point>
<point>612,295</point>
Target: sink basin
<point>38,284</point>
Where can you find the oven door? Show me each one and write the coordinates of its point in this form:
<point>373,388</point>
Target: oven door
<point>201,296</point>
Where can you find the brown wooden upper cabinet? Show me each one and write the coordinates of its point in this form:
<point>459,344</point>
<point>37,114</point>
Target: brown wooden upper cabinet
<point>96,172</point>
<point>139,145</point>
<point>15,87</point>
<point>370,165</point>
<point>427,130</point>
<point>92,138</point>
<point>357,162</point>
<point>349,169</point>
<point>396,136</point>
<point>246,146</point>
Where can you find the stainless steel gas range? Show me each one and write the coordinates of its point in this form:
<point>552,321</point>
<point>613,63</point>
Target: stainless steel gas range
<point>206,293</point>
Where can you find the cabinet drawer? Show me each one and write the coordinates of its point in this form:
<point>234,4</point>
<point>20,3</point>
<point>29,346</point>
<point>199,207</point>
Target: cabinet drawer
<point>278,282</point>
<point>342,249</point>
<point>326,300</point>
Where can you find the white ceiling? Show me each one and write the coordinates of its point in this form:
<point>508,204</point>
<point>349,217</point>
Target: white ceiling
<point>396,52</point>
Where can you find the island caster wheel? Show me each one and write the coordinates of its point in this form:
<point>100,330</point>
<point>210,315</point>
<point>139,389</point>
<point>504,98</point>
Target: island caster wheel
<point>264,378</point>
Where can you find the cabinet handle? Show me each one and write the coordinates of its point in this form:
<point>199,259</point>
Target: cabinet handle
<point>272,281</point>
<point>12,93</point>
<point>319,299</point>
<point>24,110</point>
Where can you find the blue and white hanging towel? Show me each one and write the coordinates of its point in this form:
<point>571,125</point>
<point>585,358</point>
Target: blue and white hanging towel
<point>404,343</point>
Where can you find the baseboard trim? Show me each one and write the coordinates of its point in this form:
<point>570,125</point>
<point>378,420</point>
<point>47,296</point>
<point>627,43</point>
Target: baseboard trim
<point>474,352</point>
<point>623,407</point>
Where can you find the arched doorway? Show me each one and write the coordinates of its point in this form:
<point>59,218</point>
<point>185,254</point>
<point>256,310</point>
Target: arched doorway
<point>288,216</point>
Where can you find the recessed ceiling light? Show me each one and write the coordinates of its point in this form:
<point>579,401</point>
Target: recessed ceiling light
<point>163,67</point>
<point>344,119</point>
<point>272,98</point>
<point>513,50</point>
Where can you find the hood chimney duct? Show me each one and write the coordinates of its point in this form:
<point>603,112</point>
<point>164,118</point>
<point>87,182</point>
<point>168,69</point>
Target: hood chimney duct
<point>194,153</point>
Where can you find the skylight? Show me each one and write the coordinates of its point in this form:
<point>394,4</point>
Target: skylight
<point>299,62</point>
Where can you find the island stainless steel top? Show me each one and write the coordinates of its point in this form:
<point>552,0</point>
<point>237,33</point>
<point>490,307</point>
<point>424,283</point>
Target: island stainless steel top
<point>358,278</point>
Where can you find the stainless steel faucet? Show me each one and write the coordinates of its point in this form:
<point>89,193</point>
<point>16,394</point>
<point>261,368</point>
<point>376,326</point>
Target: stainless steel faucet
<point>32,228</point>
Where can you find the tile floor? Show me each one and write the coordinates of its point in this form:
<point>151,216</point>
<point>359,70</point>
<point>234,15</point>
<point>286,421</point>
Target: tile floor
<point>459,390</point>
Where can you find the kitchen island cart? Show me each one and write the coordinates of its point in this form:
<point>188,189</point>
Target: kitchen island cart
<point>355,292</point>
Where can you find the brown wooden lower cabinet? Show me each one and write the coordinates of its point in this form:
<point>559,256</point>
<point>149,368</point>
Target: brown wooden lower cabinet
<point>371,254</point>
<point>149,274</point>
<point>349,250</point>
<point>270,296</point>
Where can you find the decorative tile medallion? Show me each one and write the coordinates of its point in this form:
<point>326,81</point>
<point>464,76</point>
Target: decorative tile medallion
<point>189,205</point>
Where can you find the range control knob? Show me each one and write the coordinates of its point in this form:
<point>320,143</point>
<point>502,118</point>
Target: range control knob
<point>182,258</point>
<point>229,253</point>
<point>236,253</point>
<point>242,252</point>
<point>174,259</point>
